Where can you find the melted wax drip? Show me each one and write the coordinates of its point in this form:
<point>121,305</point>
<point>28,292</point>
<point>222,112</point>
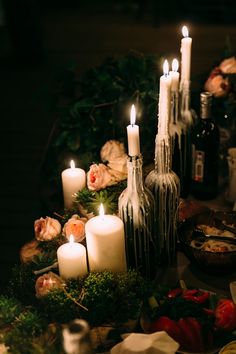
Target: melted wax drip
<point>136,209</point>
<point>164,184</point>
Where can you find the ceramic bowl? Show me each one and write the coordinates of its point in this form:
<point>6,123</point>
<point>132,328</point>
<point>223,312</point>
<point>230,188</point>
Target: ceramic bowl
<point>213,262</point>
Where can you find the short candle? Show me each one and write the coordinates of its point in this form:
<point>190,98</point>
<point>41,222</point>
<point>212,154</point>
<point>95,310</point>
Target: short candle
<point>106,243</point>
<point>72,261</point>
<point>73,180</point>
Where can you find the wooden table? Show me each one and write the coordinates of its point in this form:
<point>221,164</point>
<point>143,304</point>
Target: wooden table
<point>195,277</point>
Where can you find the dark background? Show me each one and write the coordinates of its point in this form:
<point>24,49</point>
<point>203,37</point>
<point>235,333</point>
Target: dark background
<point>37,38</point>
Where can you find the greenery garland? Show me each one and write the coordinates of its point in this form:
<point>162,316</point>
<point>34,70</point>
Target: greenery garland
<point>33,326</point>
<point>97,108</point>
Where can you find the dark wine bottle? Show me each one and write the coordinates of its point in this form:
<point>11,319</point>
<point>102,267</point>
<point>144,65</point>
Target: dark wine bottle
<point>205,152</point>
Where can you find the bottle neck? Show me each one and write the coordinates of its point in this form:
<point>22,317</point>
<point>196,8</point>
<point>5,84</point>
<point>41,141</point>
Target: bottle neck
<point>205,105</point>
<point>205,111</point>
<point>163,154</point>
<point>135,173</point>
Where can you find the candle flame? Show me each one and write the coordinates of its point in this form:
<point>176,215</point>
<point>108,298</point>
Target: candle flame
<point>101,210</point>
<point>71,239</point>
<point>166,67</point>
<point>72,164</point>
<point>185,31</point>
<point>132,115</point>
<point>175,65</point>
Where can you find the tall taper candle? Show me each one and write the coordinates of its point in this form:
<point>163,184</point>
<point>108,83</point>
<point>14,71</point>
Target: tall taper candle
<point>164,101</point>
<point>186,45</point>
<point>133,134</point>
<point>174,74</point>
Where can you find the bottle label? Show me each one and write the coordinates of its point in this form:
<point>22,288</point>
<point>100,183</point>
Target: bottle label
<point>198,165</point>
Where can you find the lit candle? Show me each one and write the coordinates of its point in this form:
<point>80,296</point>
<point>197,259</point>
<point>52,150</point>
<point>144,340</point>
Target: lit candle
<point>164,100</point>
<point>174,74</point>
<point>133,134</point>
<point>186,44</point>
<point>72,261</point>
<point>73,180</point>
<point>105,243</point>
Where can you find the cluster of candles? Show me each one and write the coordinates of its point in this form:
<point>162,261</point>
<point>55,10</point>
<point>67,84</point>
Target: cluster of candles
<point>105,248</point>
<point>105,237</point>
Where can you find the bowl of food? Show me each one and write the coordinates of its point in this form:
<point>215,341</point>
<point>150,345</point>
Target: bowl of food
<point>209,240</point>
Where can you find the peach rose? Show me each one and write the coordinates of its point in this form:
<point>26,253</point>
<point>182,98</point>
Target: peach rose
<point>217,85</point>
<point>29,251</point>
<point>47,282</point>
<point>75,226</point>
<point>99,177</point>
<point>228,66</point>
<point>112,150</point>
<point>119,165</point>
<point>46,229</point>
<point>3,349</point>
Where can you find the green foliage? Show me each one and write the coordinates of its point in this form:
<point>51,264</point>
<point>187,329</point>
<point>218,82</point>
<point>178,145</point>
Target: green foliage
<point>10,308</point>
<point>91,200</point>
<point>97,108</point>
<point>60,305</point>
<point>100,296</point>
<point>113,297</point>
<point>22,283</point>
<point>133,290</point>
<point>49,248</point>
<point>25,327</point>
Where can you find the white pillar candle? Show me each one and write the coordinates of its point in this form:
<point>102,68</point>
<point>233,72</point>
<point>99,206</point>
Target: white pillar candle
<point>72,261</point>
<point>133,134</point>
<point>106,243</point>
<point>186,44</point>
<point>174,74</point>
<point>73,180</point>
<point>164,101</point>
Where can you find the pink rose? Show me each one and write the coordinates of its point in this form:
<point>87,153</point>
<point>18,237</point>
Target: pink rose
<point>47,282</point>
<point>228,66</point>
<point>99,177</point>
<point>75,227</point>
<point>46,229</point>
<point>217,85</point>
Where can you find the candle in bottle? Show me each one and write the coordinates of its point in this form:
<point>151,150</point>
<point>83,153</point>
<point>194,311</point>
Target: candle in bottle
<point>164,100</point>
<point>186,45</point>
<point>174,74</point>
<point>133,134</point>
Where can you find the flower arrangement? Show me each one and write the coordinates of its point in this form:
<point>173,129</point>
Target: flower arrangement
<point>222,84</point>
<point>95,109</point>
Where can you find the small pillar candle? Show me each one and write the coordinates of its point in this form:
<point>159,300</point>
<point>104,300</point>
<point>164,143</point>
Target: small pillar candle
<point>106,243</point>
<point>72,261</point>
<point>73,180</point>
<point>133,134</point>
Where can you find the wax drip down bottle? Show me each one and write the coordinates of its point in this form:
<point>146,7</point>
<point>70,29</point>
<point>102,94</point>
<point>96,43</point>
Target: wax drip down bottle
<point>205,152</point>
